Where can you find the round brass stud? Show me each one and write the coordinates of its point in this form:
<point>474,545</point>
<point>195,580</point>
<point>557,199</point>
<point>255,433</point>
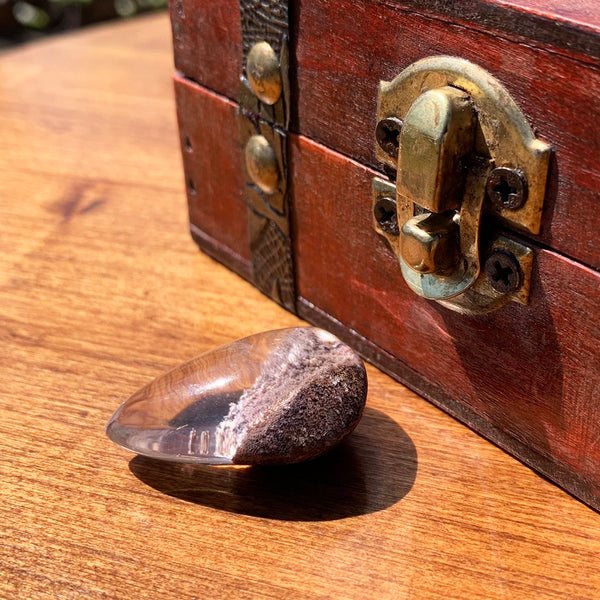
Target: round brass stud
<point>261,162</point>
<point>263,72</point>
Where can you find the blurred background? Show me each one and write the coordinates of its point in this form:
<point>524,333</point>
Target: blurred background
<point>26,20</point>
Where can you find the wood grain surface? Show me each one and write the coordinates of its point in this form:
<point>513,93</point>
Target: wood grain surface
<point>102,290</point>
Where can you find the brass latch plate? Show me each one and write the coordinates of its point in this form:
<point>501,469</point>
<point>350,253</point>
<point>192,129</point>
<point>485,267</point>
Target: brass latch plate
<point>461,148</point>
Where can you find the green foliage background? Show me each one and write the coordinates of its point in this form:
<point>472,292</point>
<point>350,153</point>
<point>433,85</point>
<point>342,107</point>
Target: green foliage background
<point>21,20</point>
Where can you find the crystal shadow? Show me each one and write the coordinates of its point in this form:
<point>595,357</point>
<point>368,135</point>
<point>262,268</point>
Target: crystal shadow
<point>369,471</point>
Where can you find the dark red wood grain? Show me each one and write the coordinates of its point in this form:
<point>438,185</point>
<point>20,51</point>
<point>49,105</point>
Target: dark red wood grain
<point>571,27</point>
<point>579,13</point>
<point>211,150</point>
<point>207,42</point>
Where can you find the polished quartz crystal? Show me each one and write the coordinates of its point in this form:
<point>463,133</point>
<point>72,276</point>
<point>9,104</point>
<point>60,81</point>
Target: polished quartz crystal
<point>273,398</point>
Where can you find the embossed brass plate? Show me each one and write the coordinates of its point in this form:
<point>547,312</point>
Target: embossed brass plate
<point>263,121</point>
<point>461,148</point>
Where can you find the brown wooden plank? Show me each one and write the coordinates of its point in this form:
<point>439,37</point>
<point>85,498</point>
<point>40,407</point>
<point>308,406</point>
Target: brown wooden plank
<point>201,26</point>
<point>532,371</point>
<point>212,154</point>
<point>582,13</point>
<point>567,27</point>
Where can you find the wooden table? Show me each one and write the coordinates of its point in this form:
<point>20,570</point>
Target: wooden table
<point>102,289</point>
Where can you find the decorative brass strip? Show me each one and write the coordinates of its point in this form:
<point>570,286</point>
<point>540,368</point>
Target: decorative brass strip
<point>263,122</point>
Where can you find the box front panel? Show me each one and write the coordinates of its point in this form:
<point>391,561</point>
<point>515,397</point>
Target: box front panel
<point>211,151</point>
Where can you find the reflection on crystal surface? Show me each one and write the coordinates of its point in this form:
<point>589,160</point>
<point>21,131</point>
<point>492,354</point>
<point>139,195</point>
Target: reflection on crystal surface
<point>276,397</point>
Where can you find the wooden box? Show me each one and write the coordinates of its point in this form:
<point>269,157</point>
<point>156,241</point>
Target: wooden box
<point>316,213</point>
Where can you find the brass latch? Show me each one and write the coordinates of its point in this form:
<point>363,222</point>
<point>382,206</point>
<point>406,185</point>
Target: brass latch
<point>461,148</point>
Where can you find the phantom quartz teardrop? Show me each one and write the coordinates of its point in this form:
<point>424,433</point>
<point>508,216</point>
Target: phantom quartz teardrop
<point>273,398</point>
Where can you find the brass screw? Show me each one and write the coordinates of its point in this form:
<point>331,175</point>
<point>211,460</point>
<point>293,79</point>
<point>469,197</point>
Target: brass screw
<point>263,72</point>
<point>507,188</point>
<point>386,215</point>
<point>503,271</point>
<point>387,134</point>
<point>261,162</point>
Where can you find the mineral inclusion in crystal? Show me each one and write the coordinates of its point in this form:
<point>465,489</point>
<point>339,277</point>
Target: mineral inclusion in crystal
<point>273,398</point>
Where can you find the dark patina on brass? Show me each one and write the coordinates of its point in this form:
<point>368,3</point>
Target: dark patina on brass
<point>507,188</point>
<point>384,211</point>
<point>503,271</point>
<point>387,134</point>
